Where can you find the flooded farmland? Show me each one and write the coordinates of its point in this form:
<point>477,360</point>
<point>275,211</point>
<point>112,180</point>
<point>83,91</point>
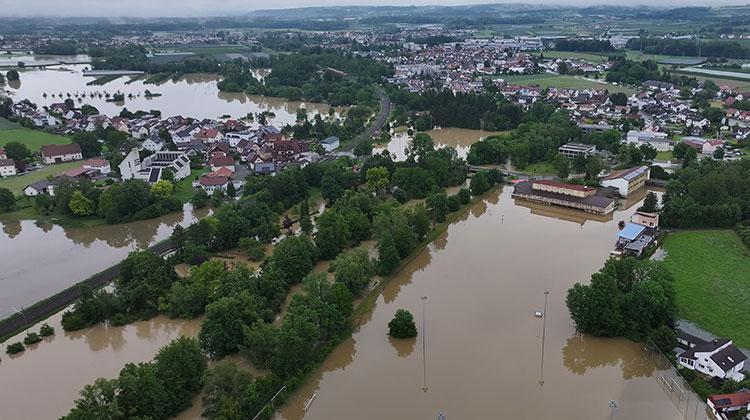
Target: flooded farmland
<point>460,139</point>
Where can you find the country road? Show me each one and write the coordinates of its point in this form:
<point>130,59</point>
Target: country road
<point>385,110</point>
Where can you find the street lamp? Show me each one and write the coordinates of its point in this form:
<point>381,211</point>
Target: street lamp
<point>613,406</point>
<point>25,320</point>
<point>424,346</point>
<point>544,336</point>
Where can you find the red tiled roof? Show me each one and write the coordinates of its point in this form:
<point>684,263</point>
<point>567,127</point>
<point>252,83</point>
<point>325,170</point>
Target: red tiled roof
<point>52,150</point>
<point>96,162</point>
<point>221,160</point>
<point>226,172</point>
<point>208,181</point>
<point>6,162</point>
<point>738,399</point>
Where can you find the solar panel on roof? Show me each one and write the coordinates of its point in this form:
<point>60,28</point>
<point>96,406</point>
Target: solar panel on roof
<point>154,175</point>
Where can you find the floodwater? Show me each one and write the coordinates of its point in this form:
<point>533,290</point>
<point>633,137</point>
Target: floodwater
<point>479,353</point>
<point>459,138</point>
<point>39,260</point>
<point>194,95</point>
<point>44,381</point>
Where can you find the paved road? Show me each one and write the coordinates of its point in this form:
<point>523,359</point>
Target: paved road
<point>385,111</point>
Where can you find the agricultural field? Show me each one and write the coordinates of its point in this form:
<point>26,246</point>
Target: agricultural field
<point>588,56</point>
<point>563,81</point>
<point>33,139</point>
<point>711,269</point>
<point>16,184</point>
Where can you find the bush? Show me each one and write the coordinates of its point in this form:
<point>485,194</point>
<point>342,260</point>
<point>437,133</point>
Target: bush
<point>454,203</point>
<point>400,195</point>
<point>31,338</point>
<point>254,250</point>
<point>15,348</point>
<point>464,195</point>
<point>46,330</point>
<point>402,325</point>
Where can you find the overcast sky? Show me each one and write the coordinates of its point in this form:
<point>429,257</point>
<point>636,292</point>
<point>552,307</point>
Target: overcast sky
<point>149,8</point>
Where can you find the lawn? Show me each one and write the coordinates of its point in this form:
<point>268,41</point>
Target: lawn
<point>712,281</point>
<point>562,82</point>
<point>664,156</point>
<point>8,125</point>
<point>540,168</point>
<point>33,139</point>
<point>183,190</point>
<point>17,183</point>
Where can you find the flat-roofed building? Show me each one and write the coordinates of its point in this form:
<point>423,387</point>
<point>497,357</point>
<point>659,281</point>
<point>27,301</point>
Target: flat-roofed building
<point>571,150</point>
<point>627,180</point>
<point>574,196</point>
<point>658,141</point>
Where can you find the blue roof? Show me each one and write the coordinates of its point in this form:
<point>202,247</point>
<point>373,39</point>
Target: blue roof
<point>631,231</point>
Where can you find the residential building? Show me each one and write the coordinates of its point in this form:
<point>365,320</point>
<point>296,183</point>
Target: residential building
<point>627,180</point>
<point>725,405</point>
<point>39,187</point>
<point>3,155</point>
<point>7,167</point>
<point>595,128</point>
<point>151,168</point>
<point>153,143</point>
<point>566,195</point>
<point>330,144</point>
<point>571,150</point>
<point>101,165</point>
<point>57,153</point>
<point>656,140</point>
<point>637,235</point>
<point>718,358</point>
<point>221,160</point>
<point>711,146</point>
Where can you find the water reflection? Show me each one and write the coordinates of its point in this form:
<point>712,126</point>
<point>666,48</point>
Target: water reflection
<point>583,352</point>
<point>404,346</point>
<point>460,139</point>
<point>40,259</point>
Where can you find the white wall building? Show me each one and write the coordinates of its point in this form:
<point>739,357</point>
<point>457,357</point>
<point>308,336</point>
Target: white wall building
<point>151,168</point>
<point>7,167</point>
<point>658,141</point>
<point>719,358</point>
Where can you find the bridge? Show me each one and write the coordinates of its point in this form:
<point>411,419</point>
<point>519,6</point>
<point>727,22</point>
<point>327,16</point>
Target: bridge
<point>506,172</point>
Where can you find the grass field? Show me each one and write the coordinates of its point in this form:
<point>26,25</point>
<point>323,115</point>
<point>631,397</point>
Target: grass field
<point>33,139</point>
<point>712,281</point>
<point>8,125</point>
<point>588,56</point>
<point>183,190</point>
<point>562,82</point>
<point>540,168</point>
<point>17,183</point>
<point>664,155</point>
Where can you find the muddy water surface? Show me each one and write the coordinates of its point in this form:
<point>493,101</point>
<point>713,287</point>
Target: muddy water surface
<point>459,138</point>
<point>484,278</point>
<point>39,260</point>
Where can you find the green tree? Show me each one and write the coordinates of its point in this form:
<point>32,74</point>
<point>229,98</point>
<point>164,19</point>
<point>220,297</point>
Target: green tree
<point>650,203</point>
<point>420,146</point>
<point>43,204</point>
<point>618,98</point>
<point>402,325</point>
<point>7,200</point>
<point>353,269</point>
<point>17,151</point>
<point>719,154</point>
<point>562,166</point>
<point>180,366</point>
<point>378,178</point>
<point>89,143</point>
<point>97,401</point>
<point>231,190</point>
<point>200,198</point>
<point>679,150</point>
<point>254,249</point>
<point>294,257</point>
<point>12,75</point>
<point>162,189</point>
<point>388,255</point>
<point>437,206</point>
<point>80,205</point>
<point>691,155</point>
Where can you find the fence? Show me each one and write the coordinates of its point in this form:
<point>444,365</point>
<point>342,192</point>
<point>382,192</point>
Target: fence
<point>687,402</point>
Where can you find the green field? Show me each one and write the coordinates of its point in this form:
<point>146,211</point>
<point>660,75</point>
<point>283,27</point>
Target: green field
<point>712,281</point>
<point>562,82</point>
<point>540,168</point>
<point>17,183</point>
<point>664,155</point>
<point>592,57</point>
<point>183,190</point>
<point>33,139</point>
<point>8,125</point>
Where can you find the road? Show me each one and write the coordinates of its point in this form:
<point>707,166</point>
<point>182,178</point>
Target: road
<point>385,110</point>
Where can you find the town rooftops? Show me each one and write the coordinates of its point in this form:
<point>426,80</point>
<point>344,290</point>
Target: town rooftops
<point>60,149</point>
<point>221,160</point>
<point>578,147</point>
<point>627,174</point>
<point>737,399</point>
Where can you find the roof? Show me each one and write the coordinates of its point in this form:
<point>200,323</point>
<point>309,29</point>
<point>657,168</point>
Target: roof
<point>525,188</point>
<point>562,185</point>
<point>39,185</point>
<point>578,147</point>
<point>223,171</point>
<point>61,149</point>
<point>728,357</point>
<point>95,162</point>
<point>330,140</point>
<point>212,181</point>
<point>627,174</point>
<point>737,399</point>
<point>7,162</point>
<point>631,231</point>
<point>708,347</point>
<point>221,160</point>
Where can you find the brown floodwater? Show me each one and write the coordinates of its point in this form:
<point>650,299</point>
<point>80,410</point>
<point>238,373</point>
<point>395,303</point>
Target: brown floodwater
<point>459,138</point>
<point>38,260</point>
<point>194,95</point>
<point>44,381</point>
<point>484,278</point>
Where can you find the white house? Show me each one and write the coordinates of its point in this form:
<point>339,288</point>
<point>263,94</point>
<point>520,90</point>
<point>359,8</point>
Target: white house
<point>39,187</point>
<point>7,167</point>
<point>719,358</point>
<point>153,143</point>
<point>658,141</point>
<point>57,153</point>
<point>236,137</point>
<point>100,165</point>
<point>330,144</point>
<point>151,168</point>
<point>628,180</point>
<point>710,146</point>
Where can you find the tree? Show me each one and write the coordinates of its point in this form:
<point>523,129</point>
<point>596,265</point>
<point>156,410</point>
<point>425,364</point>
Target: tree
<point>17,151</point>
<point>162,189</point>
<point>402,325</point>
<point>254,249</point>
<point>89,143</point>
<point>7,200</point>
<point>231,190</point>
<point>167,175</point>
<point>377,178</point>
<point>80,205</point>
<point>437,206</point>
<point>294,257</point>
<point>12,75</point>
<point>618,98</point>
<point>353,269</point>
<point>98,401</point>
<point>719,154</point>
<point>420,146</point>
<point>680,149</point>
<point>480,183</point>
<point>691,155</point>
<point>226,391</point>
<point>200,198</point>
<point>562,166</point>
<point>388,255</point>
<point>648,151</point>
<point>593,167</point>
<point>650,203</point>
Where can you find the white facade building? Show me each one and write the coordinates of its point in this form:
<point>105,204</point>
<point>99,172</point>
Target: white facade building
<point>719,358</point>
<point>151,168</point>
<point>658,141</point>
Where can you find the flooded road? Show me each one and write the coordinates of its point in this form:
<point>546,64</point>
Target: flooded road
<point>194,95</point>
<point>39,260</point>
<point>44,381</point>
<point>459,138</point>
<point>483,279</point>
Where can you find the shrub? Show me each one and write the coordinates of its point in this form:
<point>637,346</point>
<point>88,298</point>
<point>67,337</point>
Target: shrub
<point>402,325</point>
<point>454,203</point>
<point>464,195</point>
<point>15,348</point>
<point>46,330</point>
<point>31,338</point>
<point>254,250</point>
